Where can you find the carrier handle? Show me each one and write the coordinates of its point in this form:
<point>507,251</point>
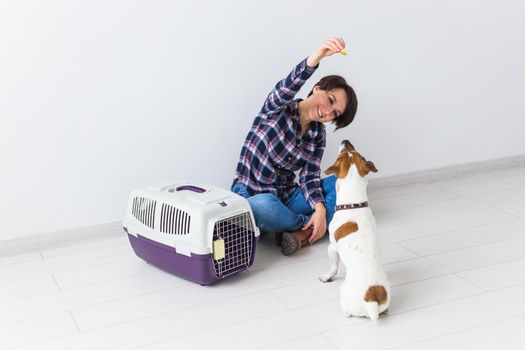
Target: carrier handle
<point>191,188</point>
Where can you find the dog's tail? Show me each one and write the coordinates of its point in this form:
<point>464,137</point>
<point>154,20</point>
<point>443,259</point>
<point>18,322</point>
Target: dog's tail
<point>372,308</point>
<point>375,295</point>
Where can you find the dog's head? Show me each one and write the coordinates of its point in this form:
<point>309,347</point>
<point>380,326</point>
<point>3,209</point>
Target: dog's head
<point>350,163</point>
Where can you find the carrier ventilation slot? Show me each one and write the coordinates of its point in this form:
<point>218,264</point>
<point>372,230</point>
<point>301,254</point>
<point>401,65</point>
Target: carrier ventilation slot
<point>174,221</point>
<point>144,211</point>
<point>238,234</point>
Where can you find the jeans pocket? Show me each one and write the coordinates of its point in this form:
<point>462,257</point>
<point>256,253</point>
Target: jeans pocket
<point>241,190</point>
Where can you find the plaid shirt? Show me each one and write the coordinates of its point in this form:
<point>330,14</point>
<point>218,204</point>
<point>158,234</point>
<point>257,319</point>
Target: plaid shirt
<point>274,148</point>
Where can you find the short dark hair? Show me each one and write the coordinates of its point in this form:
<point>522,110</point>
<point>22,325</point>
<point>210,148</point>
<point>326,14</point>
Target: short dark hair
<point>331,82</point>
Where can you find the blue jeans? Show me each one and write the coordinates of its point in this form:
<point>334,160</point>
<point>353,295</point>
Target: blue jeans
<point>272,215</point>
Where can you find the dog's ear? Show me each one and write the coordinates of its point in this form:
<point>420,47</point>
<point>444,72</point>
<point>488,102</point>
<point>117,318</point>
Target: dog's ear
<point>364,167</point>
<point>340,167</point>
<point>371,167</point>
<point>334,169</point>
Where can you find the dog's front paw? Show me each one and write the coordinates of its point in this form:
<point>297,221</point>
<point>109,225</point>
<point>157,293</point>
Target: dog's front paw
<point>326,278</point>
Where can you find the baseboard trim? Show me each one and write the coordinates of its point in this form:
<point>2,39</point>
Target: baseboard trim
<point>449,172</point>
<point>114,229</point>
<point>36,243</point>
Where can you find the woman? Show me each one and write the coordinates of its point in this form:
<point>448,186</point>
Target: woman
<point>289,135</point>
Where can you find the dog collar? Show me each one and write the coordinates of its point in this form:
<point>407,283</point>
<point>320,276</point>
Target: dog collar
<point>351,206</point>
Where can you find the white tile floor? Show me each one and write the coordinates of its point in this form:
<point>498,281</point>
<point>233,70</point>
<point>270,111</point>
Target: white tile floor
<point>454,251</point>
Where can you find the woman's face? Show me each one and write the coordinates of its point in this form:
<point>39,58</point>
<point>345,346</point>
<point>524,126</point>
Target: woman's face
<point>326,105</point>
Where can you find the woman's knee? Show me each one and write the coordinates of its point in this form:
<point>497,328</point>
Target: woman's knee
<point>264,208</point>
<point>263,203</point>
<point>271,215</point>
<point>241,190</point>
<point>328,184</point>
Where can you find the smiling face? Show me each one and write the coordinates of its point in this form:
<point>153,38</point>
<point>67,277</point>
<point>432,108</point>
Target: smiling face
<point>326,105</point>
<point>348,156</point>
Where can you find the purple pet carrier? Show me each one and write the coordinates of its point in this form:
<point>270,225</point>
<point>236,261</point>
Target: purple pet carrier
<point>199,232</point>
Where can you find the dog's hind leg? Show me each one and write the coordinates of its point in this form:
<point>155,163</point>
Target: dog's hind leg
<point>333,255</point>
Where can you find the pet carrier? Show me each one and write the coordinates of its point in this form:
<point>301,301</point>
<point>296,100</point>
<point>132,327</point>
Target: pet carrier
<point>199,232</point>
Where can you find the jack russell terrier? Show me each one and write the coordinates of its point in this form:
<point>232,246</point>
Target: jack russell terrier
<point>365,291</point>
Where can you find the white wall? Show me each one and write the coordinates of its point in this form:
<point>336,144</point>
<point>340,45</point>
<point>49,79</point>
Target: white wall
<point>99,97</point>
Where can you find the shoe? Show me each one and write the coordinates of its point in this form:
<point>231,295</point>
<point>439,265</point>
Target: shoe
<point>293,241</point>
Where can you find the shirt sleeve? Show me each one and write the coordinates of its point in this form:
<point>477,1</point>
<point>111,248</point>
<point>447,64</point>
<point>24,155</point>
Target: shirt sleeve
<point>286,89</point>
<point>310,175</point>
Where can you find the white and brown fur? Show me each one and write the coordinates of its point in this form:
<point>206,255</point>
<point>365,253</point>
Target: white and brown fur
<point>365,291</point>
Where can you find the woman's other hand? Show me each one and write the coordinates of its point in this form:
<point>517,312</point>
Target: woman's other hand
<point>318,220</point>
<point>327,48</point>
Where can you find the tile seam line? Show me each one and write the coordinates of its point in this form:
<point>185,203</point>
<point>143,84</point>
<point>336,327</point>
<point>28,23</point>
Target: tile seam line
<point>423,308</point>
<point>407,206</point>
<point>185,308</point>
<point>456,230</point>
<point>142,294</point>
<point>90,305</point>
<point>80,251</point>
<point>511,286</point>
<point>446,188</point>
<point>64,243</point>
<point>434,216</point>
<point>117,259</point>
<point>61,271</point>
<point>279,299</point>
<point>413,193</point>
<point>294,339</point>
<point>25,278</point>
<point>74,321</point>
<point>480,292</point>
<point>459,331</point>
<point>496,264</point>
<point>409,250</point>
<point>427,181</point>
<point>111,280</point>
<point>471,247</point>
<point>457,272</point>
<point>484,193</point>
<point>41,341</point>
<point>505,212</point>
<point>470,282</point>
<point>329,341</point>
<point>20,262</point>
<point>36,317</point>
<point>214,328</point>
